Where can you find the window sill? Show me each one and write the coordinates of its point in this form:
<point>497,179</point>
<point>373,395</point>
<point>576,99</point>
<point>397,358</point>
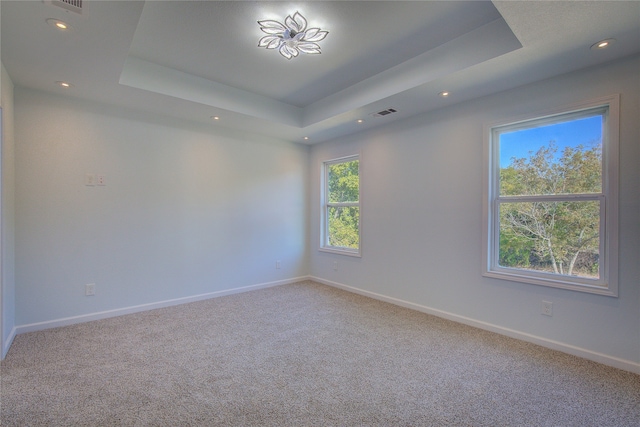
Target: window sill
<point>551,282</point>
<point>339,251</point>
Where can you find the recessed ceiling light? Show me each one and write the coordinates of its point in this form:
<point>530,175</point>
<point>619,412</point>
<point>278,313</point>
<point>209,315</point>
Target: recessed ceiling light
<point>64,84</point>
<point>306,138</point>
<point>360,121</point>
<point>58,24</point>
<point>215,117</point>
<point>444,94</point>
<point>603,44</point>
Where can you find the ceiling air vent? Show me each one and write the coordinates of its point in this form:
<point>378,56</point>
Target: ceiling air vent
<point>72,5</point>
<point>384,112</point>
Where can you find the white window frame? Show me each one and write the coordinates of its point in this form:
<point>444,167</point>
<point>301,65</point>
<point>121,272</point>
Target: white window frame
<point>324,224</point>
<point>607,284</point>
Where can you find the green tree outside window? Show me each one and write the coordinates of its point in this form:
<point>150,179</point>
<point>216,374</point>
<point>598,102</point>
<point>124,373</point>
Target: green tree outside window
<point>342,204</point>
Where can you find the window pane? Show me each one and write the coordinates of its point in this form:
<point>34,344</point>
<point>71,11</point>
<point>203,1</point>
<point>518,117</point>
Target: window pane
<point>555,237</point>
<point>344,223</point>
<point>344,181</point>
<point>559,158</point>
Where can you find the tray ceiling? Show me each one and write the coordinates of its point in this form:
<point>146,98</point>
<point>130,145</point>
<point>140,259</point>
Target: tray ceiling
<point>191,60</point>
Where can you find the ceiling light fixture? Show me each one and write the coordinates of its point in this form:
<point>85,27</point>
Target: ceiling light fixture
<point>215,117</point>
<point>444,94</point>
<point>64,84</point>
<point>360,121</point>
<point>58,24</point>
<point>291,38</point>
<point>603,44</point>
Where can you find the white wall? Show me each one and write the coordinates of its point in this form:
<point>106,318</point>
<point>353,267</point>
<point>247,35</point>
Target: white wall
<point>194,209</point>
<point>7,294</point>
<point>421,195</point>
<point>187,209</point>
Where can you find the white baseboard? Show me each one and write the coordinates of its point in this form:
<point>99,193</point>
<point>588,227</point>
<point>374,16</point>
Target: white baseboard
<point>615,362</point>
<point>626,365</point>
<point>32,327</point>
<point>7,342</point>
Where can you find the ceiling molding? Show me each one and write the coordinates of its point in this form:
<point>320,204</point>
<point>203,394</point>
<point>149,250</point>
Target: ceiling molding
<point>167,81</point>
<point>484,43</point>
<point>479,45</point>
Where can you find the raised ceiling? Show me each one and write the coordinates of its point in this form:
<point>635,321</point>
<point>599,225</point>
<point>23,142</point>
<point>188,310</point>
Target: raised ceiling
<point>196,59</point>
<point>217,41</point>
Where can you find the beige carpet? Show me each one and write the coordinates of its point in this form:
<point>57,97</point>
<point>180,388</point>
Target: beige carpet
<point>302,355</point>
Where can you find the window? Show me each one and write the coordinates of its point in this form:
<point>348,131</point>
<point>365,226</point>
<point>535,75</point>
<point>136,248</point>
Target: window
<point>341,206</point>
<point>551,199</point>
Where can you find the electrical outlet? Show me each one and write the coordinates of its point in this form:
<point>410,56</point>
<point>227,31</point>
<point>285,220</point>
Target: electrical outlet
<point>90,179</point>
<point>101,180</point>
<point>547,308</point>
<point>90,289</point>
<point>278,264</point>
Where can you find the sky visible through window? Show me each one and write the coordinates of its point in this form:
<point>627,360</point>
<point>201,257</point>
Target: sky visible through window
<point>520,143</point>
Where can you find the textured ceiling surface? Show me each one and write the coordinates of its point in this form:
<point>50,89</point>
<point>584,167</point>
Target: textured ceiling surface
<point>191,60</point>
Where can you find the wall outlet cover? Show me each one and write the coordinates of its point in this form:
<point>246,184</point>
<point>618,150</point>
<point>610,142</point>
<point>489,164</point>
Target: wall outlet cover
<point>547,308</point>
<point>90,289</point>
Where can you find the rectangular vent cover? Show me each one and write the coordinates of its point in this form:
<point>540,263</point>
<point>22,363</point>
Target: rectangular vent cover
<point>72,5</point>
<point>385,112</point>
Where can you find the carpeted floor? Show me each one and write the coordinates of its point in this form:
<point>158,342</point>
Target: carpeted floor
<point>301,355</point>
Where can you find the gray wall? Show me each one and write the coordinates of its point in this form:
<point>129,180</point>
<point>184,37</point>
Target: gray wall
<point>7,297</point>
<point>191,209</point>
<point>187,209</point>
<point>421,201</point>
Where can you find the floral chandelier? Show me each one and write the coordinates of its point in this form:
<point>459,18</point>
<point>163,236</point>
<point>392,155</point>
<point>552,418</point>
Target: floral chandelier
<point>291,38</point>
